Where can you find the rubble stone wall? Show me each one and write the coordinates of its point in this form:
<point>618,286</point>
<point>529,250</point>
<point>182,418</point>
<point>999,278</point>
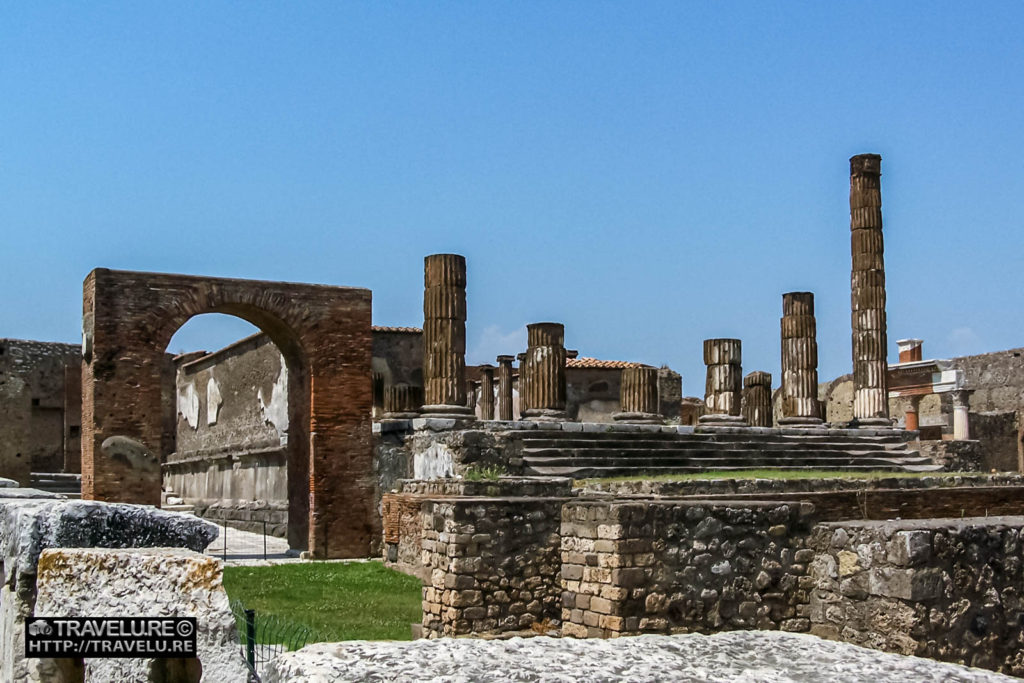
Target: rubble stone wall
<point>493,564</point>
<point>948,589</point>
<point>663,566</point>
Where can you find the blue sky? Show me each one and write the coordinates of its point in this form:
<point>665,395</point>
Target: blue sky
<point>650,174</point>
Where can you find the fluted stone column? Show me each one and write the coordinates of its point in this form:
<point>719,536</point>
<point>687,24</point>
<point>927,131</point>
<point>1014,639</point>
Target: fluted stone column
<point>638,396</point>
<point>867,288</point>
<point>723,389</point>
<point>523,383</point>
<point>486,400</point>
<point>800,406</point>
<point>471,387</point>
<point>757,399</point>
<point>444,336</point>
<point>505,387</point>
<point>402,401</point>
<point>544,371</point>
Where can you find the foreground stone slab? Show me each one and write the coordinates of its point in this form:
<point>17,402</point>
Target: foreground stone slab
<point>733,656</point>
<point>161,582</point>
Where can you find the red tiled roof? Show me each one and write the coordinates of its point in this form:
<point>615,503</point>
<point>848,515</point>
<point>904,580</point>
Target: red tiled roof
<point>584,362</point>
<point>410,330</point>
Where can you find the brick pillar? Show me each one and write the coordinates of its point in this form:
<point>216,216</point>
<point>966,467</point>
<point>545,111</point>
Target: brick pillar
<point>867,285</point>
<point>757,399</point>
<point>402,401</point>
<point>486,392</point>
<point>505,387</point>
<point>638,396</point>
<point>723,388</point>
<point>800,405</point>
<point>524,397</point>
<point>544,370</point>
<point>444,336</point>
<point>912,408</point>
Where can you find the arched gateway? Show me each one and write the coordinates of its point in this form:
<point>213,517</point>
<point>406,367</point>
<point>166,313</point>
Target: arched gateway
<point>324,335</point>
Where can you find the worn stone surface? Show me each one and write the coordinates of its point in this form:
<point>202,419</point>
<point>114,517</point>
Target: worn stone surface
<point>723,386</point>
<point>638,395</point>
<point>141,582</point>
<point>799,360</point>
<point>757,399</point>
<point>950,589</point>
<point>444,334</point>
<point>325,337</point>
<point>28,527</point>
<point>487,392</point>
<point>725,657</point>
<point>505,396</point>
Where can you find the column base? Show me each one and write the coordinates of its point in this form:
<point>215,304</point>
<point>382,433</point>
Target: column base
<point>870,422</point>
<point>441,410</point>
<point>722,420</point>
<point>800,421</point>
<point>545,415</point>
<point>399,416</point>
<point>638,418</point>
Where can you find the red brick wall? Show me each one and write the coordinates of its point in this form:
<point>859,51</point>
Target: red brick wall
<point>324,335</point>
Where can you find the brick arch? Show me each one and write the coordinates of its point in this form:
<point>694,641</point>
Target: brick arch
<point>323,333</point>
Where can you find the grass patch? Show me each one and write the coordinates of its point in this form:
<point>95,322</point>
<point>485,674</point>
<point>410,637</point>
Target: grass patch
<point>778,474</point>
<point>336,600</point>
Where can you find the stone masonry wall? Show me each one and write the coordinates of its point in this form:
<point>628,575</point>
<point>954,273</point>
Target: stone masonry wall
<point>492,563</point>
<point>664,566</point>
<point>946,589</point>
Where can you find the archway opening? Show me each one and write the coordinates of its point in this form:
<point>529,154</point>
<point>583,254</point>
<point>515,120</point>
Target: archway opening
<point>234,410</point>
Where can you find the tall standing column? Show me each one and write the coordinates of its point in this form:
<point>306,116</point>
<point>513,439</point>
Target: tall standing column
<point>523,384</point>
<point>486,401</point>
<point>757,399</point>
<point>800,405</point>
<point>444,336</point>
<point>961,414</point>
<point>505,387</point>
<point>723,389</point>
<point>867,288</point>
<point>544,370</point>
<point>638,396</point>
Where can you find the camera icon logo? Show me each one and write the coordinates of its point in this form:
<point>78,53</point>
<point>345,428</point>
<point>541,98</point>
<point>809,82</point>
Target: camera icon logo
<point>40,628</point>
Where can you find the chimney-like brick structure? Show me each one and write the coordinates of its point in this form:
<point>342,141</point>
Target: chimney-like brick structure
<point>486,401</point>
<point>444,336</point>
<point>544,370</point>
<point>638,396</point>
<point>910,350</point>
<point>402,401</point>
<point>800,405</point>
<point>757,399</point>
<point>723,389</point>
<point>505,387</point>
<point>867,287</point>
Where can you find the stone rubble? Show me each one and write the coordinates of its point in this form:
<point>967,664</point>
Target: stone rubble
<point>726,657</point>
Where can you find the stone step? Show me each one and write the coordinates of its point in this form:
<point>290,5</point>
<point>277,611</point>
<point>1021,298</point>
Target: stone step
<point>57,482</point>
<point>613,471</point>
<point>702,444</point>
<point>629,453</point>
<point>726,462</point>
<point>190,509</point>
<point>723,434</point>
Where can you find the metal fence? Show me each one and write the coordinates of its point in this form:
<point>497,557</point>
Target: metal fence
<point>265,636</point>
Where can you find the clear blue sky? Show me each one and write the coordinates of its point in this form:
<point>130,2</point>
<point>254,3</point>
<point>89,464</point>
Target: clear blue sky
<point>650,174</point>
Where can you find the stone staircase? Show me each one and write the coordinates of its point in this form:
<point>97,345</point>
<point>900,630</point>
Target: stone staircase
<point>171,502</point>
<point>69,485</point>
<point>616,453</point>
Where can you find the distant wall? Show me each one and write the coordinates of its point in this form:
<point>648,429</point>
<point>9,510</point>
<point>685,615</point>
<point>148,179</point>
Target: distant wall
<point>41,405</point>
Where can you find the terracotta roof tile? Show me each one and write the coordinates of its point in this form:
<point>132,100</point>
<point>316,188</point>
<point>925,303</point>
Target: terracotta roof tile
<point>584,362</point>
<point>409,330</point>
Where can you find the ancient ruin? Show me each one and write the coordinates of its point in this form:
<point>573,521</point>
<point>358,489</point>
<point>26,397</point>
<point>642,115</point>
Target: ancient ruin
<point>505,387</point>
<point>757,399</point>
<point>799,361</point>
<point>639,396</point>
<point>723,390</point>
<point>444,336</point>
<point>543,371</point>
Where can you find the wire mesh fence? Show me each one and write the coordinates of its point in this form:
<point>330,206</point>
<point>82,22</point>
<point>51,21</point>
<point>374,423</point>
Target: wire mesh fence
<point>265,636</point>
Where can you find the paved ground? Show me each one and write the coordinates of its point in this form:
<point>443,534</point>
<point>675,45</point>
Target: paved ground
<point>247,548</point>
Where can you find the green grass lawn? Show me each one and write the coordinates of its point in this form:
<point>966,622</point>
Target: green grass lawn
<point>337,601</point>
<point>780,474</point>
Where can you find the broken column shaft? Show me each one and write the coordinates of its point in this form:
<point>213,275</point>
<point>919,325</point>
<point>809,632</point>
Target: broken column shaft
<point>724,385</point>
<point>757,399</point>
<point>444,336</point>
<point>505,387</point>
<point>544,372</point>
<point>799,361</point>
<point>638,396</point>
<point>402,401</point>
<point>867,289</point>
<point>486,400</point>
